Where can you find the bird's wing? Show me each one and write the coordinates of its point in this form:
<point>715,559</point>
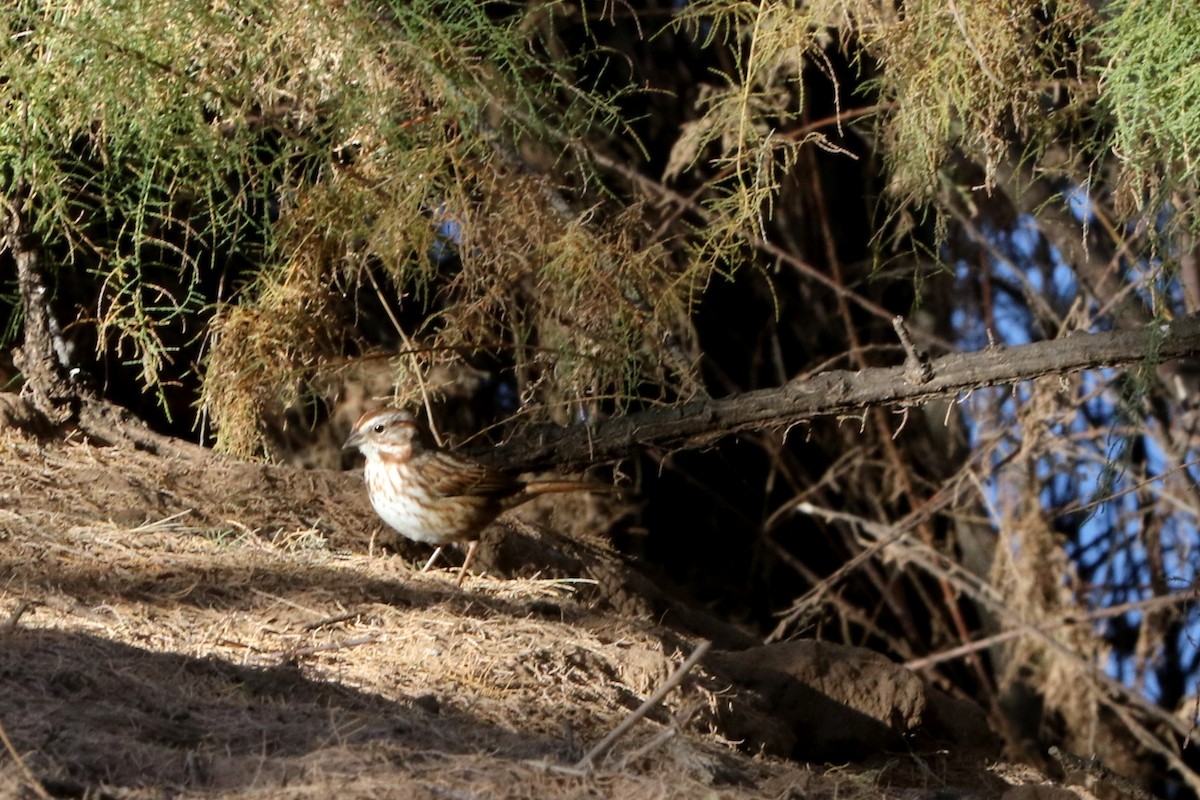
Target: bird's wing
<point>450,475</point>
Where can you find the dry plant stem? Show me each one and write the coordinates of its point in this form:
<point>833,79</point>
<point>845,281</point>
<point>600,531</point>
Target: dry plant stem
<point>914,519</point>
<point>895,600</point>
<point>842,609</point>
<point>47,382</point>
<point>333,620</point>
<point>34,783</point>
<point>962,27</point>
<point>660,738</point>
<point>1137,487</point>
<point>1166,601</point>
<point>916,361</point>
<point>1095,266</point>
<point>1036,301</point>
<point>918,371</point>
<point>699,423</point>
<point>411,348</point>
<point>653,700</point>
<point>345,644</point>
<point>1152,743</point>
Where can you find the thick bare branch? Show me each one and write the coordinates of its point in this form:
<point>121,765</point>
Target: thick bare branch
<point>701,422</point>
<point>44,366</point>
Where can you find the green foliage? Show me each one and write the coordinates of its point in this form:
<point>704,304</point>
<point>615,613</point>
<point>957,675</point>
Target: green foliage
<point>298,155</point>
<point>1150,91</point>
<point>971,76</point>
<point>946,75</point>
<point>743,115</point>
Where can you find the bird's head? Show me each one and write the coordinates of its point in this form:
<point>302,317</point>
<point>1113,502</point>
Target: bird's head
<point>385,433</point>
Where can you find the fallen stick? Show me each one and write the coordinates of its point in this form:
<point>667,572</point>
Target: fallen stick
<point>676,678</point>
<point>344,644</point>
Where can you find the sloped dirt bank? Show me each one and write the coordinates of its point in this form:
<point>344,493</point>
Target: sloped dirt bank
<point>175,628</point>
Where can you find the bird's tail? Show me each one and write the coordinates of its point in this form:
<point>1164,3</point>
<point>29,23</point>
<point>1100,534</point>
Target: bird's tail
<point>533,488</point>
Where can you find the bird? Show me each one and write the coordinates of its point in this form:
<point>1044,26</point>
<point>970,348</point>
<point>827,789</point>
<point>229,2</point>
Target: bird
<point>431,495</point>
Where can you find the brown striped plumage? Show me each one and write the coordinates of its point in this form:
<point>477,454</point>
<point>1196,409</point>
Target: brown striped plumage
<point>434,496</point>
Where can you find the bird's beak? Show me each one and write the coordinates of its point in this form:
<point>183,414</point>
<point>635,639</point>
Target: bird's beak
<point>354,440</point>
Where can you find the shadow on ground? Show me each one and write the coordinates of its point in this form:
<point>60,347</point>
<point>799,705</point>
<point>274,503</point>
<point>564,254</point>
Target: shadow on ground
<point>94,711</point>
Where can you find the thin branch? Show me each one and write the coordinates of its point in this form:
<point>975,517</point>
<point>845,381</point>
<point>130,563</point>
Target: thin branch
<point>1165,601</point>
<point>962,27</point>
<point>916,361</point>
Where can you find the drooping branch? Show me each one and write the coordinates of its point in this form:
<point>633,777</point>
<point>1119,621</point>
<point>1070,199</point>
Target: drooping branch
<point>699,423</point>
<point>55,387</point>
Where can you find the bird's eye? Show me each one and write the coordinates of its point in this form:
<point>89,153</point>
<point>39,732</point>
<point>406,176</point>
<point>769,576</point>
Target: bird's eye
<point>379,427</point>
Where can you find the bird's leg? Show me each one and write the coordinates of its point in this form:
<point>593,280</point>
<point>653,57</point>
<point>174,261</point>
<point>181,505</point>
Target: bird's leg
<point>437,552</point>
<point>462,573</point>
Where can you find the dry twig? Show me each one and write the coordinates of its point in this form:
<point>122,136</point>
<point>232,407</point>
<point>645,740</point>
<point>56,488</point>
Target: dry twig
<point>676,678</point>
<point>34,783</point>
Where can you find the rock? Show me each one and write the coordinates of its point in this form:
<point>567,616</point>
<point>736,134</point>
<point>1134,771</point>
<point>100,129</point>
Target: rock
<point>837,702</point>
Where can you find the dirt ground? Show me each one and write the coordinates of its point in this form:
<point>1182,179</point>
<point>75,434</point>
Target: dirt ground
<point>175,628</point>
